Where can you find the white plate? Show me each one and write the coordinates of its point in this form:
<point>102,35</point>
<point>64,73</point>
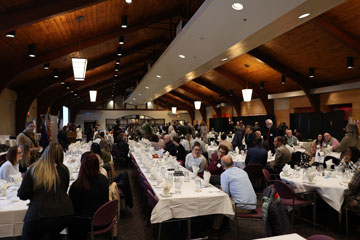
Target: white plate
<point>166,196</point>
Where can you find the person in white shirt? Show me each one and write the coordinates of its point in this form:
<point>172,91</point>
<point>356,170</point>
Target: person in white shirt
<point>186,142</point>
<point>11,166</point>
<point>195,158</point>
<point>78,133</point>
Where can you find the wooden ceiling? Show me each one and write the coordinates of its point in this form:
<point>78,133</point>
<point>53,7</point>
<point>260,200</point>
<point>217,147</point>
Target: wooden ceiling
<point>322,43</point>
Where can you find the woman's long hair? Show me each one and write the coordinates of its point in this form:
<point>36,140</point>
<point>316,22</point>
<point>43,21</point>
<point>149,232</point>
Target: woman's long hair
<point>95,148</point>
<point>89,168</point>
<point>44,171</point>
<point>12,154</point>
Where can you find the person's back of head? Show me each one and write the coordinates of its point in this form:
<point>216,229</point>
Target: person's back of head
<point>89,168</point>
<point>227,162</point>
<point>198,135</point>
<point>258,141</point>
<point>223,136</point>
<point>104,145</point>
<point>176,139</point>
<point>11,154</point>
<point>95,148</point>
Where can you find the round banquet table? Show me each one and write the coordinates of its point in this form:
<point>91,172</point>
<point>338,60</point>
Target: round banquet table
<point>330,189</point>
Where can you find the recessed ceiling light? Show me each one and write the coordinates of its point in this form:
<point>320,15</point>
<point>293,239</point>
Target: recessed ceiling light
<point>134,99</point>
<point>139,94</point>
<point>224,59</point>
<point>237,6</point>
<point>11,34</point>
<point>130,102</point>
<point>181,56</point>
<point>304,15</point>
<point>158,76</point>
<point>147,87</point>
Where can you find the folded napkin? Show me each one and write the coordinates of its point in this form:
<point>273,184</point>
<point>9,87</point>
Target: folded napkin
<point>237,150</point>
<point>195,170</point>
<point>286,167</point>
<point>207,176</point>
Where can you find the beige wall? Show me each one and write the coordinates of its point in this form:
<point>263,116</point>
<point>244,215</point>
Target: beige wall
<point>101,115</point>
<point>7,116</point>
<point>284,106</point>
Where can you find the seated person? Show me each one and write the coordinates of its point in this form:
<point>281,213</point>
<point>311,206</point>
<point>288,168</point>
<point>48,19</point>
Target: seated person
<point>225,142</point>
<point>352,194</point>
<point>330,142</point>
<point>95,148</point>
<point>156,142</point>
<point>180,150</point>
<point>256,154</point>
<point>282,156</point>
<point>290,138</point>
<point>195,158</point>
<point>307,159</point>
<point>11,166</point>
<point>236,183</point>
<point>350,159</point>
<point>215,167</point>
<point>169,145</point>
<point>186,142</point>
<point>89,192</point>
<point>319,140</point>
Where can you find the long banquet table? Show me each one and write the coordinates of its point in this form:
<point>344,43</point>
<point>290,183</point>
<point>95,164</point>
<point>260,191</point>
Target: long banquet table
<point>330,189</point>
<point>188,203</point>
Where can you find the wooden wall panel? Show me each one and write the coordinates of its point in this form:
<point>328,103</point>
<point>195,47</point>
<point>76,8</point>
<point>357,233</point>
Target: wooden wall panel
<point>282,116</point>
<point>255,107</point>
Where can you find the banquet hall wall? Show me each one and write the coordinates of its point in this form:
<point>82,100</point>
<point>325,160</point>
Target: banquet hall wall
<point>7,116</point>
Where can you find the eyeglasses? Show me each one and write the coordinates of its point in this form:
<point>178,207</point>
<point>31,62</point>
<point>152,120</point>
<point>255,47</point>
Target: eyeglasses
<point>222,152</point>
<point>19,152</point>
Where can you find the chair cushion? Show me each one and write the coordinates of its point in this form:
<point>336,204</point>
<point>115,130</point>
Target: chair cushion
<point>258,214</point>
<point>297,202</point>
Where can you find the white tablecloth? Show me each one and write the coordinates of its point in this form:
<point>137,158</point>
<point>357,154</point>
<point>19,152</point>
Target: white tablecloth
<point>330,189</point>
<point>11,217</point>
<point>292,236</point>
<point>189,203</point>
<point>239,160</point>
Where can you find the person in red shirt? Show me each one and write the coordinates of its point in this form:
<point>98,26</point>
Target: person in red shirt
<point>215,167</point>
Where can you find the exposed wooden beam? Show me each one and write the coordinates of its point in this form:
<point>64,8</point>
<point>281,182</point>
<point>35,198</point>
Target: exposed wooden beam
<point>347,39</point>
<point>303,82</point>
<point>161,104</point>
<point>234,101</point>
<point>268,104</point>
<point>169,98</point>
<point>39,11</point>
<point>203,98</point>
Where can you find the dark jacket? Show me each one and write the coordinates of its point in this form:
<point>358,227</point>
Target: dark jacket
<point>250,140</point>
<point>123,183</point>
<point>256,154</point>
<point>272,132</point>
<point>171,148</point>
<point>123,148</point>
<point>45,204</point>
<point>85,201</point>
<point>215,167</point>
<point>180,152</point>
<point>63,139</point>
<point>237,140</point>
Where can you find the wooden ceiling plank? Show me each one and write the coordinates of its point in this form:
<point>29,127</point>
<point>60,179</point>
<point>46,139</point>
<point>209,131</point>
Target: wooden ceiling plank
<point>335,31</point>
<point>40,11</point>
<point>234,101</point>
<point>303,82</point>
<point>60,52</point>
<point>268,104</point>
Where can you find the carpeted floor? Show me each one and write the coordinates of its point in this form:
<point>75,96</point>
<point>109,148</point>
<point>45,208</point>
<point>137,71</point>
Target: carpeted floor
<point>134,226</point>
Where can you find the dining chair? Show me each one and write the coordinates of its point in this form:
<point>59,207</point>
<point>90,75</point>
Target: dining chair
<point>256,216</point>
<point>347,210</point>
<point>289,198</point>
<point>104,218</point>
<point>256,176</point>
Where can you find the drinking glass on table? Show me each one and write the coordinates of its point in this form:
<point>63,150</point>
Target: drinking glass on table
<point>197,185</point>
<point>186,176</point>
<point>177,182</point>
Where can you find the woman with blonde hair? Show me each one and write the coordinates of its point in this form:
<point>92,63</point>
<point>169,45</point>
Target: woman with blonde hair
<point>45,184</point>
<point>307,159</point>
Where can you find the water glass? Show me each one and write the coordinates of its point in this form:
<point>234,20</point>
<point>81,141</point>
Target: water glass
<point>186,176</point>
<point>197,185</point>
<point>178,186</point>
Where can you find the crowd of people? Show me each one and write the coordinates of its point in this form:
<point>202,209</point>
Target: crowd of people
<point>46,179</point>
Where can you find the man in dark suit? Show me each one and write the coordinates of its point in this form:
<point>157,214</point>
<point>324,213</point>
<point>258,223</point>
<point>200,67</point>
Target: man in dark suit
<point>116,131</point>
<point>249,137</point>
<point>169,145</point>
<point>256,154</point>
<point>270,134</point>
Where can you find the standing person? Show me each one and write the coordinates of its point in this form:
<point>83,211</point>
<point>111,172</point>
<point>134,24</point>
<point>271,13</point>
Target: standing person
<point>270,135</point>
<point>256,127</point>
<point>45,184</point>
<point>225,142</point>
<point>11,166</point>
<point>351,139</point>
<point>204,131</point>
<point>148,129</point>
<point>116,130</point>
<point>123,147</point>
<point>63,139</point>
<point>89,192</point>
<point>28,140</point>
<point>78,133</point>
<point>249,137</point>
<point>238,139</point>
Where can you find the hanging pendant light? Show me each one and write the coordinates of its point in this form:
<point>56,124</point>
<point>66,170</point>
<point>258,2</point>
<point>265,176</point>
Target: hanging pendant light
<point>121,40</point>
<point>92,94</point>
<point>197,105</point>
<point>124,21</point>
<point>79,64</point>
<point>247,92</point>
<point>311,72</point>
<point>283,79</point>
<point>350,62</point>
<point>173,110</point>
<point>32,50</point>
